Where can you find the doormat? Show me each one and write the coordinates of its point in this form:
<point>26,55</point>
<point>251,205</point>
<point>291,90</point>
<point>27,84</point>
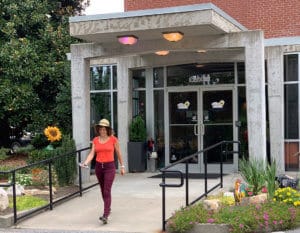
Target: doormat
<point>191,175</point>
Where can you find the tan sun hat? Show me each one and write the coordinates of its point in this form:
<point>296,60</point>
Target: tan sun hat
<point>103,122</point>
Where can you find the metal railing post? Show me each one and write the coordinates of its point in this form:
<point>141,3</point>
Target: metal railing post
<point>221,166</point>
<point>14,195</point>
<point>50,185</point>
<point>186,183</point>
<point>163,202</point>
<point>80,174</point>
<point>205,172</point>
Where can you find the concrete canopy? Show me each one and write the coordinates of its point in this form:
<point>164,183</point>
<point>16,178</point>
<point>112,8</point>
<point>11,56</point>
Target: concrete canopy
<point>193,20</point>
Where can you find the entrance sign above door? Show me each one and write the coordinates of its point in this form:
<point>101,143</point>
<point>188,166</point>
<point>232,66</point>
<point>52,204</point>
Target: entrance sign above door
<point>203,78</point>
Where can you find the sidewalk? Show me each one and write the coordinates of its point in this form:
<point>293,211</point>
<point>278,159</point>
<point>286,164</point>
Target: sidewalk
<point>136,206</point>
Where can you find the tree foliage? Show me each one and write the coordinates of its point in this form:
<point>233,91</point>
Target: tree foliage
<point>34,71</point>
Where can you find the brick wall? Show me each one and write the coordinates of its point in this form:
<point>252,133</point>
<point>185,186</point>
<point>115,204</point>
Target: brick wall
<point>278,18</point>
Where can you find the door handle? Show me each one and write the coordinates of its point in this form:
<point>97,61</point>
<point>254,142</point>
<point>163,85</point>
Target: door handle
<point>202,129</point>
<point>196,130</point>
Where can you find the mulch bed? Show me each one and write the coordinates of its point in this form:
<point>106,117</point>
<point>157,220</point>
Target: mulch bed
<point>15,160</point>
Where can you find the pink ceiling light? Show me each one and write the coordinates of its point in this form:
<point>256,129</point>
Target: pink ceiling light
<point>128,39</point>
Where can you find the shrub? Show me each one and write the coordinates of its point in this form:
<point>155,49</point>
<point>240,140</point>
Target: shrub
<point>224,200</point>
<point>40,176</point>
<point>287,195</point>
<point>65,166</point>
<point>266,217</point>
<point>39,141</point>
<point>185,218</point>
<point>137,130</point>
<point>22,179</point>
<point>4,168</point>
<point>3,153</point>
<point>24,149</point>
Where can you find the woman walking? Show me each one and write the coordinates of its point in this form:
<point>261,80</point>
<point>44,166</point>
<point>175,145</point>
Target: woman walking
<point>104,145</point>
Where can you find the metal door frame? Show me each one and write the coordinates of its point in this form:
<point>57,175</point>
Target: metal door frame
<point>196,168</point>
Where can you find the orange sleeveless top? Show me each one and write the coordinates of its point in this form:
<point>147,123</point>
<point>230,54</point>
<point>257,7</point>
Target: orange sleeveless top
<point>105,151</point>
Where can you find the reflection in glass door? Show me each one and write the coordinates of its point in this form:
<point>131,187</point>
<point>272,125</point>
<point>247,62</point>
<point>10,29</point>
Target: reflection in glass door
<point>217,108</point>
<point>183,139</point>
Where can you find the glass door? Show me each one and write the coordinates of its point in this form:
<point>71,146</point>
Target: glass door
<point>197,119</point>
<point>217,124</point>
<point>182,126</point>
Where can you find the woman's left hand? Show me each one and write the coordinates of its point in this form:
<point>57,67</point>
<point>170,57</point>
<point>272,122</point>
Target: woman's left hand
<point>122,171</point>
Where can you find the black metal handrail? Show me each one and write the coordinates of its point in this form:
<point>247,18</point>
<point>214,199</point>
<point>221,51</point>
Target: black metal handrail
<point>48,163</point>
<point>166,170</point>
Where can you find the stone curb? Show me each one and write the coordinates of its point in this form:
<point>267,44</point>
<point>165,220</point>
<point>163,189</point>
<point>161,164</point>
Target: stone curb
<point>6,221</point>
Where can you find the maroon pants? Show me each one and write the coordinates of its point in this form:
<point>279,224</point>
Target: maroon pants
<point>105,173</point>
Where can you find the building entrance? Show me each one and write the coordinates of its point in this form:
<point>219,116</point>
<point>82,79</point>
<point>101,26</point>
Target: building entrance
<point>198,118</point>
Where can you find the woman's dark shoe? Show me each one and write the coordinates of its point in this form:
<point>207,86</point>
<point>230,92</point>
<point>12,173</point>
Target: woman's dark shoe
<point>103,219</point>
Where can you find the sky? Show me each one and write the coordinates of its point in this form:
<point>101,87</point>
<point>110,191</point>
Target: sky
<point>104,6</point>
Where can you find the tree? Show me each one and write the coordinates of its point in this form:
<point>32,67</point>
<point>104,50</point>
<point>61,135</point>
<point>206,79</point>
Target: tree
<point>34,80</point>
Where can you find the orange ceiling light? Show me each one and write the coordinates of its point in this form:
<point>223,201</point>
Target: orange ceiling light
<point>173,36</point>
<point>162,52</point>
<point>128,39</point>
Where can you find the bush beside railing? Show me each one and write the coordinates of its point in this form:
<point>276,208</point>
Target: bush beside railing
<point>65,167</point>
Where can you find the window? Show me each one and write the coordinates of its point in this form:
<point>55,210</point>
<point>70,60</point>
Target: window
<point>139,93</point>
<point>103,95</point>
<point>159,123</point>
<point>200,74</point>
<point>291,110</point>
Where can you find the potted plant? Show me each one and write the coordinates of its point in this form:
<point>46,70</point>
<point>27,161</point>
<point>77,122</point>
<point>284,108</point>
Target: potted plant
<point>136,145</point>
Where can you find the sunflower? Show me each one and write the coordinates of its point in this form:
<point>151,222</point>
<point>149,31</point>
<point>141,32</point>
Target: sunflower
<point>52,133</point>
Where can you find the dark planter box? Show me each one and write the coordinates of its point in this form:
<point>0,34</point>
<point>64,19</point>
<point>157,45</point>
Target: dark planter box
<point>136,156</point>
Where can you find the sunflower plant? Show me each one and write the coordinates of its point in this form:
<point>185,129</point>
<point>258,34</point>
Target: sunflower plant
<point>52,133</point>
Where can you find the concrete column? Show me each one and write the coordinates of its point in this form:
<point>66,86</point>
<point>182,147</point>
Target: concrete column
<point>80,102</point>
<point>125,101</point>
<point>274,56</point>
<point>255,93</point>
<point>150,104</point>
<point>124,106</point>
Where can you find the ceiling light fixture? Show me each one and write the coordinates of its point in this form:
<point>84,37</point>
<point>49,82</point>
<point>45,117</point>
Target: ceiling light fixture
<point>162,52</point>
<point>173,36</point>
<point>201,51</point>
<point>128,39</point>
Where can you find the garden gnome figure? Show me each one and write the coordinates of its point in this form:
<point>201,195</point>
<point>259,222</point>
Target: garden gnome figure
<point>239,193</point>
